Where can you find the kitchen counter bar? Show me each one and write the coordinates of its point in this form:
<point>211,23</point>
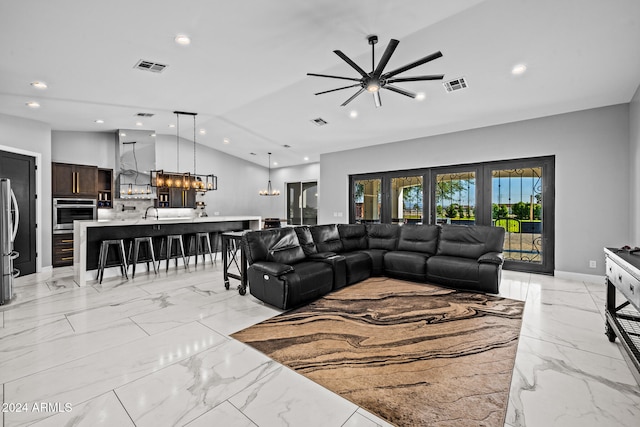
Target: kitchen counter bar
<point>88,235</point>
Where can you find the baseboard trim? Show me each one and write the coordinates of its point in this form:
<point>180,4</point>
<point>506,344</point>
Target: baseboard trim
<point>580,277</point>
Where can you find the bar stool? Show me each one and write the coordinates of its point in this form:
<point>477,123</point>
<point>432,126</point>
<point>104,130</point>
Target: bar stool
<point>104,255</point>
<point>151,258</point>
<point>197,240</point>
<point>168,241</point>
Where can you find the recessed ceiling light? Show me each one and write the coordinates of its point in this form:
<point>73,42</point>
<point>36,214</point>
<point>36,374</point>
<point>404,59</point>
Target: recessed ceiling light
<point>226,141</point>
<point>99,121</point>
<point>420,96</point>
<point>138,123</point>
<point>39,85</point>
<point>153,135</point>
<point>123,134</point>
<point>275,163</point>
<point>306,159</point>
<point>353,114</point>
<point>203,132</point>
<point>518,69</point>
<point>182,39</point>
<point>33,104</point>
<point>172,125</point>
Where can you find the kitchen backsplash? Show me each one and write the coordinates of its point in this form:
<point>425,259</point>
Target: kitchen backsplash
<point>138,211</point>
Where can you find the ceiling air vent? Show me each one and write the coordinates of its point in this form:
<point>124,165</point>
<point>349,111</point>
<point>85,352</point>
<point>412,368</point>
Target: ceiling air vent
<point>144,114</point>
<point>456,84</point>
<point>150,66</point>
<point>319,121</point>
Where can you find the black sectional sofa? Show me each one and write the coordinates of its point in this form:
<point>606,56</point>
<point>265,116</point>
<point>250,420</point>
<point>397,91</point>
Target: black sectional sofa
<point>295,265</point>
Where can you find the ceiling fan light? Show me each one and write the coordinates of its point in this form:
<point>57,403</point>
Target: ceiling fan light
<point>373,87</point>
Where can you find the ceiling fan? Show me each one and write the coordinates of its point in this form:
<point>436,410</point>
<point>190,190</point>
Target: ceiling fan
<point>376,80</point>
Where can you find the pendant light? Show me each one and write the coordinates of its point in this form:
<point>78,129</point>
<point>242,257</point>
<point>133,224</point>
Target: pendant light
<point>186,180</point>
<point>269,191</point>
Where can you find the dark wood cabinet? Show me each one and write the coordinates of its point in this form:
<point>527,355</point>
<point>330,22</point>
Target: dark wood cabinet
<point>105,188</point>
<point>62,249</point>
<point>69,180</point>
<point>175,197</point>
<point>181,198</point>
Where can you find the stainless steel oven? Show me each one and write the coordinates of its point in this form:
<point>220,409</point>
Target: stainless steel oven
<point>65,211</point>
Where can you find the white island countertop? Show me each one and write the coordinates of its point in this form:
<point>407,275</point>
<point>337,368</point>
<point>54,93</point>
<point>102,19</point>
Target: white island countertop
<point>167,220</point>
<point>81,275</point>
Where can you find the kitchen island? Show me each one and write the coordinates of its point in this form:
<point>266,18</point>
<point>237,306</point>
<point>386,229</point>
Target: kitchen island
<point>88,235</point>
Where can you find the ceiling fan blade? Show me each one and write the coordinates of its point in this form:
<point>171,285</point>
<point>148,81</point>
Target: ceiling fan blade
<point>355,66</point>
<point>400,91</point>
<point>416,78</point>
<point>353,97</point>
<point>333,77</point>
<point>376,99</point>
<point>413,65</point>
<point>391,47</point>
<point>340,88</point>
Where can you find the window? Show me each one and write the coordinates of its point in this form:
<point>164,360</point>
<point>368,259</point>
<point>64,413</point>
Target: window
<point>302,203</point>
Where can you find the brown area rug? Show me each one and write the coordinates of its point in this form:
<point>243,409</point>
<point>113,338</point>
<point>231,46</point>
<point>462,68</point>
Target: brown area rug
<point>413,354</point>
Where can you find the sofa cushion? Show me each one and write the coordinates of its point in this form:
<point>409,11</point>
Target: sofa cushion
<point>406,265</point>
<point>274,245</point>
<point>326,238</point>
<point>306,240</point>
<point>419,238</point>
<point>358,266</point>
<point>470,241</point>
<point>383,236</point>
<point>457,272</point>
<point>353,236</point>
<point>377,260</point>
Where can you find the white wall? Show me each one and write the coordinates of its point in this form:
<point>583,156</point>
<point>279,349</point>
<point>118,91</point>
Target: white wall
<point>33,137</point>
<point>634,159</point>
<point>84,148</point>
<point>592,173</point>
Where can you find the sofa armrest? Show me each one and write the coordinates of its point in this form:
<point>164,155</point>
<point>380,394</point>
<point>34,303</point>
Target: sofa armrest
<point>321,255</point>
<point>272,268</point>
<point>496,258</point>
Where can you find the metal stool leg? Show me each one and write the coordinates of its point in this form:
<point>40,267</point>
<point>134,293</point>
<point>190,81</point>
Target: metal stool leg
<point>184,259</point>
<point>123,267</point>
<point>153,256</point>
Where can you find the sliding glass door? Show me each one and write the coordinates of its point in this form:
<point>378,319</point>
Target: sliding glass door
<point>517,195</point>
<point>454,196</point>
<point>522,199</point>
<point>406,200</point>
<point>302,203</point>
<point>366,200</point>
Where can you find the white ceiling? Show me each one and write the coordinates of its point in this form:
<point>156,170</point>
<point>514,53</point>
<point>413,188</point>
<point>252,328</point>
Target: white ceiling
<point>245,70</point>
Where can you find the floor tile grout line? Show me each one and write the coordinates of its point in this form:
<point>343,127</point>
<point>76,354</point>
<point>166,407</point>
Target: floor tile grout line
<point>574,348</point>
<point>123,407</point>
<point>136,323</point>
<point>70,324</point>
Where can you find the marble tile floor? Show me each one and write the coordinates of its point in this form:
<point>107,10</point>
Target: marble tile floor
<point>156,351</point>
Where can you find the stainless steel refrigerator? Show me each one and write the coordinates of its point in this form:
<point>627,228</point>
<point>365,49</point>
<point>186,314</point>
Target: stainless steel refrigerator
<point>9,219</point>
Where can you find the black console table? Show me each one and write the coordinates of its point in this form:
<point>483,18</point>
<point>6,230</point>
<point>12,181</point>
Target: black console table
<point>623,321</point>
<point>233,255</point>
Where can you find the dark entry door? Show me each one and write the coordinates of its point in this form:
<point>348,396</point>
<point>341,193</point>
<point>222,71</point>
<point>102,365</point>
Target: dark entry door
<point>21,170</point>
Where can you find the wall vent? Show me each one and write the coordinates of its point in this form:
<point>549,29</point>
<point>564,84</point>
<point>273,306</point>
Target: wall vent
<point>455,84</point>
<point>319,121</point>
<point>150,66</point>
<point>144,114</point>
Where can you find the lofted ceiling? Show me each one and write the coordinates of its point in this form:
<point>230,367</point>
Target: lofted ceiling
<point>244,72</point>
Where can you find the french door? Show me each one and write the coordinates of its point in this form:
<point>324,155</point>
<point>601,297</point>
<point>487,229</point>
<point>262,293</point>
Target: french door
<point>517,195</point>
